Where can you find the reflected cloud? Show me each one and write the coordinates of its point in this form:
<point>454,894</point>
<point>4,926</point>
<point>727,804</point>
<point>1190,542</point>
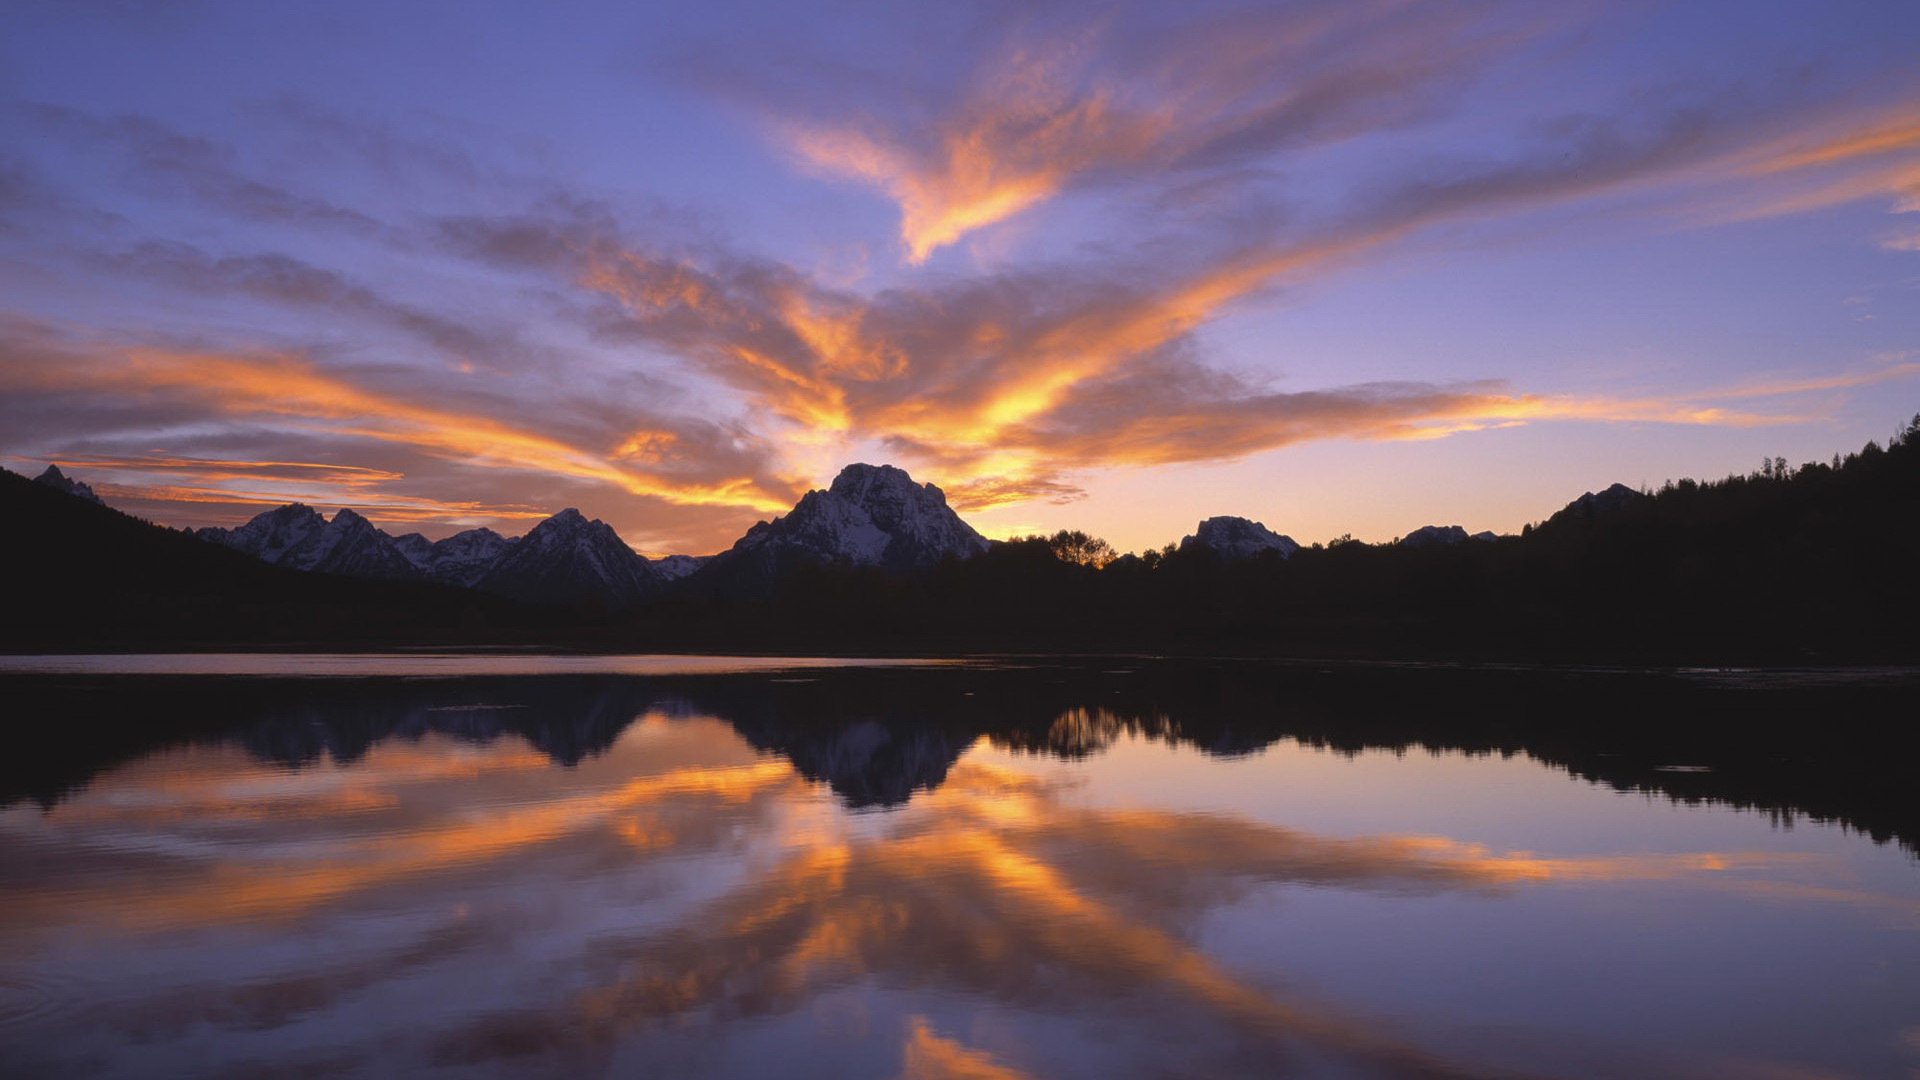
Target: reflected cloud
<point>676,877</point>
<point>997,887</point>
<point>929,1056</point>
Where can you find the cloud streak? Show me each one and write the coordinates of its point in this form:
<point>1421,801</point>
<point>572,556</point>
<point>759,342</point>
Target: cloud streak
<point>291,392</point>
<point>1098,102</point>
<point>503,329</point>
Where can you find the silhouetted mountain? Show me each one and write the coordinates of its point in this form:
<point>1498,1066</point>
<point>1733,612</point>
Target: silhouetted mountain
<point>461,559</point>
<point>1815,564</point>
<point>1235,538</point>
<point>298,537</point>
<point>871,516</point>
<point>60,481</point>
<point>565,561</point>
<point>1597,504</point>
<point>84,576</point>
<point>1809,565</point>
<point>570,561</point>
<point>1441,534</point>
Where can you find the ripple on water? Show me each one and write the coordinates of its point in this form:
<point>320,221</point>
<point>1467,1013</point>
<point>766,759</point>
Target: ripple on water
<point>27,998</point>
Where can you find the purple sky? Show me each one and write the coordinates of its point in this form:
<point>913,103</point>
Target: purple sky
<point>1341,267</point>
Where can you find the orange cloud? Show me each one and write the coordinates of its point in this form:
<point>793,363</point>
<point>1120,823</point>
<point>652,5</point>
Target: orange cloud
<point>1051,110</point>
<point>290,392</point>
<point>1016,144</point>
<point>929,1056</point>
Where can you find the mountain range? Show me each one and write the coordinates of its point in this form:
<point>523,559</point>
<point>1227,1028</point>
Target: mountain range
<point>870,516</point>
<point>1811,563</point>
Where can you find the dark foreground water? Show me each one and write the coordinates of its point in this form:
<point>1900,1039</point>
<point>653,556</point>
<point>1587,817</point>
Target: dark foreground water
<point>576,868</point>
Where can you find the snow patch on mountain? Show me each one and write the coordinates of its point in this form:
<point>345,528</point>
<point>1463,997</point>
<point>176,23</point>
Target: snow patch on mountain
<point>297,536</point>
<point>871,515</point>
<point>1235,538</point>
<point>570,560</point>
<point>461,559</point>
<point>60,481</point>
<point>675,567</point>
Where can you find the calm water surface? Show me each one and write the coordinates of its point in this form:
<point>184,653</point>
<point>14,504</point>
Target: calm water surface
<point>1103,870</point>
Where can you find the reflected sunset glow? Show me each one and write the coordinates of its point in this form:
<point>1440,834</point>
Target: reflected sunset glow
<point>688,881</point>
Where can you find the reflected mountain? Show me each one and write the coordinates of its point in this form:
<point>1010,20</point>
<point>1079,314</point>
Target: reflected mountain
<point>1821,746</point>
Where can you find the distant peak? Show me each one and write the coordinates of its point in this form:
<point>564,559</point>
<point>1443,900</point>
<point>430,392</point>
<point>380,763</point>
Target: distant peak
<point>1446,535</point>
<point>1238,538</point>
<point>60,481</point>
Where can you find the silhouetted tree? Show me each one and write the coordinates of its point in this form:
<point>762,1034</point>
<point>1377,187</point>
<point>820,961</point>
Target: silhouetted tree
<point>1074,546</point>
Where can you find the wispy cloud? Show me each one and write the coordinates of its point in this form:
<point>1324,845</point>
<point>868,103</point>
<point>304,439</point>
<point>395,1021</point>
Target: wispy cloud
<point>1095,102</point>
<point>165,159</point>
<point>701,379</point>
<point>290,392</point>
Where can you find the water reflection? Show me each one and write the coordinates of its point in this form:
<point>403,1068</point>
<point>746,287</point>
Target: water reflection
<point>616,876</point>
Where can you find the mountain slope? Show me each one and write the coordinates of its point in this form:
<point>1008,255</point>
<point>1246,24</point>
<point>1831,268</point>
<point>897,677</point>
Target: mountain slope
<point>870,516</point>
<point>570,561</point>
<point>80,575</point>
<point>298,537</point>
<point>1234,538</point>
<point>60,481</point>
<point>461,559</point>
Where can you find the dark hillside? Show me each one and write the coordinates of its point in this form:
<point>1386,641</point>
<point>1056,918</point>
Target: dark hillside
<point>1808,565</point>
<point>82,576</point>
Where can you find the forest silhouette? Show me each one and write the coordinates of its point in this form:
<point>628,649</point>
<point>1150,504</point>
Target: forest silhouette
<point>1788,745</point>
<point>1818,563</point>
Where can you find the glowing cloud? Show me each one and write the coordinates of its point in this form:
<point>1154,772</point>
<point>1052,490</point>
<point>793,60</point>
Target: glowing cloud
<point>291,391</point>
<point>1051,109</point>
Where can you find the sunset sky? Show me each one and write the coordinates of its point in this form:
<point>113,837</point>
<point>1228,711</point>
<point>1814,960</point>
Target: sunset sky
<point>1342,267</point>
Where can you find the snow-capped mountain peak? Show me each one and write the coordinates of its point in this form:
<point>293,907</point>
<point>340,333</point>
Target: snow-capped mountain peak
<point>1238,538</point>
<point>297,536</point>
<point>570,559</point>
<point>871,515</point>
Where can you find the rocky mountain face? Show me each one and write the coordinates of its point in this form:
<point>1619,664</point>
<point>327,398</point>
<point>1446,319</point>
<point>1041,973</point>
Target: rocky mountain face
<point>1445,535</point>
<point>570,560</point>
<point>675,567</point>
<point>60,481</point>
<point>461,559</point>
<point>1595,504</point>
<point>565,560</point>
<point>298,537</point>
<point>1235,538</point>
<point>871,515</point>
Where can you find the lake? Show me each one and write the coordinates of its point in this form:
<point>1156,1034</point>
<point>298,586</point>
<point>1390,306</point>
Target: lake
<point>448,865</point>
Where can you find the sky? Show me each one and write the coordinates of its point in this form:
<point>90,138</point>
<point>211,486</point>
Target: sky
<point>1341,267</point>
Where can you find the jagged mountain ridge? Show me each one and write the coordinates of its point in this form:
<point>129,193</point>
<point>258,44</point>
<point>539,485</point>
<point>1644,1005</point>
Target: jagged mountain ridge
<point>572,561</point>
<point>569,559</point>
<point>1443,535</point>
<point>871,515</point>
<point>1236,538</point>
<point>60,481</point>
<point>461,559</point>
<point>299,537</point>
